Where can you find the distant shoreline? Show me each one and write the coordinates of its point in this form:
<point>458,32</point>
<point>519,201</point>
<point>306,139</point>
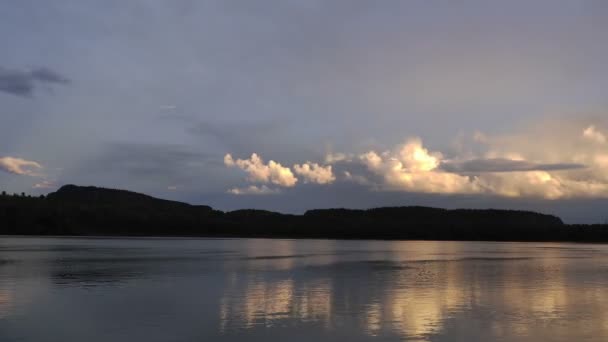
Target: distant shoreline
<point>197,237</point>
<point>97,212</point>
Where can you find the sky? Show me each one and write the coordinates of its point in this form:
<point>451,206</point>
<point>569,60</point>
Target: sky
<point>290,105</point>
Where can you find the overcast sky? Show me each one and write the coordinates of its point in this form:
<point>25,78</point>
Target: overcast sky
<point>295,104</point>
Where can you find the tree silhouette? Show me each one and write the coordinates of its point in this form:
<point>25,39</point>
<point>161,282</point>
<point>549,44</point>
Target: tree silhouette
<point>74,210</point>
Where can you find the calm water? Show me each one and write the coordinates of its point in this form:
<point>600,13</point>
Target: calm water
<point>56,289</point>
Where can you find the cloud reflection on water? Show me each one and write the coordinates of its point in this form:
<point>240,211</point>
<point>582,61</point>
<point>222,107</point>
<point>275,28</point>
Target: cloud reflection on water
<point>410,297</point>
<point>248,289</point>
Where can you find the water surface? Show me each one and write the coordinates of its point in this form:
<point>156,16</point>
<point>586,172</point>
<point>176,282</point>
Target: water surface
<point>100,289</point>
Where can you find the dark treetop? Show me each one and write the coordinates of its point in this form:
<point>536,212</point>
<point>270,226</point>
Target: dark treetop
<point>75,210</point>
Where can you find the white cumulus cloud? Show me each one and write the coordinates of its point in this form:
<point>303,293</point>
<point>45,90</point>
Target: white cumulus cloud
<point>315,173</point>
<point>260,172</point>
<point>551,160</point>
<point>548,163</point>
<point>411,167</point>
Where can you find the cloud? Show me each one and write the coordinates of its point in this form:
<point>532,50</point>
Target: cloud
<point>315,173</point>
<point>243,136</point>
<point>146,167</point>
<point>540,184</point>
<point>355,178</point>
<point>160,161</point>
<point>45,184</point>
<point>23,83</point>
<point>549,162</point>
<point>254,190</point>
<point>332,158</point>
<point>19,166</point>
<point>260,172</point>
<point>411,167</point>
<point>556,165</point>
<point>591,133</point>
<point>558,151</point>
<point>503,165</point>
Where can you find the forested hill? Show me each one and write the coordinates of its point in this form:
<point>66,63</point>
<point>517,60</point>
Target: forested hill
<point>95,195</point>
<point>76,210</point>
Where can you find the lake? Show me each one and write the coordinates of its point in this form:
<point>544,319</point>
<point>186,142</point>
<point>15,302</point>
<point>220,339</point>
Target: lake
<point>148,289</point>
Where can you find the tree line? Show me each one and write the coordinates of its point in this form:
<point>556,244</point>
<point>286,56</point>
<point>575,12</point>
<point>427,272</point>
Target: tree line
<point>76,210</point>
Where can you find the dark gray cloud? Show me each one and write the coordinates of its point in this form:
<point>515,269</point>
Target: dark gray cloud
<point>146,160</point>
<point>145,167</point>
<point>237,135</point>
<point>24,82</point>
<point>504,165</point>
<point>271,139</point>
<point>165,170</point>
